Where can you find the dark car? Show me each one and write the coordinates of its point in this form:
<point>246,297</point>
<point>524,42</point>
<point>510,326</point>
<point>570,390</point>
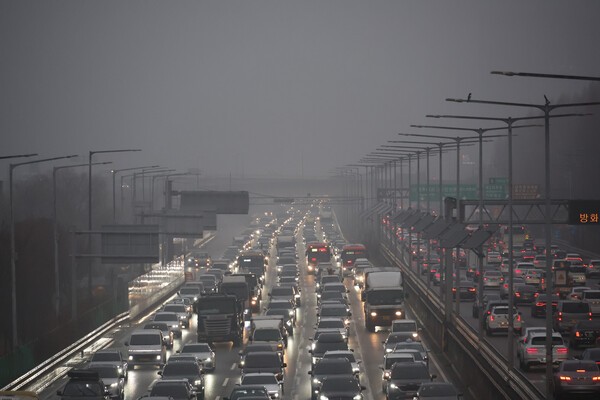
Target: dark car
<point>327,341</point>
<point>568,313</point>
<point>538,309</point>
<point>592,354</point>
<point>253,348</point>
<point>395,338</point>
<point>524,294</point>
<point>111,356</point>
<point>177,389</point>
<point>576,377</point>
<point>84,385</point>
<point>340,387</point>
<point>185,370</point>
<point>328,368</point>
<point>437,391</point>
<point>248,392</point>
<point>486,298</point>
<point>264,361</point>
<point>466,290</point>
<point>585,333</point>
<point>406,379</point>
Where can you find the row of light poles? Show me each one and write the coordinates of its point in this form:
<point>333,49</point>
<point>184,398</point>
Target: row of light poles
<point>379,159</point>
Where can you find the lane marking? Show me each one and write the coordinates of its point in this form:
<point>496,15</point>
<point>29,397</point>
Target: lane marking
<point>225,382</point>
<point>233,367</point>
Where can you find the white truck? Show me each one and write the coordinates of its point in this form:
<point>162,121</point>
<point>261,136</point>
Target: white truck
<point>383,297</point>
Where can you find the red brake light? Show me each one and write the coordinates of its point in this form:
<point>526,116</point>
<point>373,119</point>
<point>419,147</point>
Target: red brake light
<point>561,350</point>
<point>577,334</point>
<point>491,318</point>
<point>532,350</point>
<point>517,294</point>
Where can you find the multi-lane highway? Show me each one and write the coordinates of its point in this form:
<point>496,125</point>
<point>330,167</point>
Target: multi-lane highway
<point>367,346</point>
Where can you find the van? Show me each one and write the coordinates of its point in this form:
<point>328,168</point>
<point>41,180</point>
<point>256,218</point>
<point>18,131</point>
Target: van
<point>592,297</point>
<point>568,313</point>
<point>146,347</point>
<point>269,329</point>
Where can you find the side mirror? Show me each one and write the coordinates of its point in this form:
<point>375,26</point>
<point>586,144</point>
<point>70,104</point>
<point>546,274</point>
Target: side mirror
<point>159,373</point>
<point>433,376</point>
<point>349,314</point>
<point>126,343</point>
<point>363,388</point>
<point>310,352</point>
<point>284,365</point>
<point>383,342</point>
<point>310,372</point>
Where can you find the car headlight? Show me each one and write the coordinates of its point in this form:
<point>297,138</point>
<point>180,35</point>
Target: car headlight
<point>323,397</point>
<point>288,323</point>
<point>312,346</point>
<point>114,385</point>
<point>175,325</point>
<point>357,397</point>
<point>388,350</point>
<point>386,375</point>
<point>316,381</point>
<point>373,314</point>
<point>195,298</point>
<point>198,382</point>
<point>393,386</point>
<point>415,334</point>
<point>208,359</point>
<point>253,302</point>
<point>183,317</point>
<point>398,313</point>
<point>291,313</point>
<point>158,357</point>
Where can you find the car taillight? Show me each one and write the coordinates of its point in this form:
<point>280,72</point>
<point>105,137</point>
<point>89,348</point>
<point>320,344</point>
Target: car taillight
<point>564,378</point>
<point>518,317</point>
<point>590,315</point>
<point>532,350</point>
<point>561,350</point>
<point>492,318</point>
<point>471,289</point>
<point>517,294</point>
<point>595,378</point>
<point>577,334</point>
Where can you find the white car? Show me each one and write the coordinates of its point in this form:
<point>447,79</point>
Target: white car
<point>532,350</point>
<point>203,352</point>
<point>533,276</point>
<point>266,379</point>
<point>493,279</point>
<point>576,292</point>
<point>497,321</point>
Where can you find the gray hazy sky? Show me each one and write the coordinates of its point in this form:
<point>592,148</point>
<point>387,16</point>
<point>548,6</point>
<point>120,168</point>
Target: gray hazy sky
<point>265,87</point>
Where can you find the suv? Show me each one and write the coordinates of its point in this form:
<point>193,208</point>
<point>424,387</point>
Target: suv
<point>325,368</point>
<point>592,297</point>
<point>497,321</point>
<point>585,333</point>
<point>568,313</point>
<point>532,350</point>
<point>172,319</point>
<point>327,341</point>
<point>146,346</point>
<point>593,269</point>
<point>84,384</point>
<point>538,309</point>
<point>111,356</point>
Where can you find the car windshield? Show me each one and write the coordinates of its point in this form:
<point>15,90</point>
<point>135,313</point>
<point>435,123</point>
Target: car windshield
<point>215,306</point>
<point>333,368</point>
<point>165,317</point>
<point>259,380</point>
<point>332,324</point>
<point>321,348</point>
<point>541,341</point>
<point>333,311</point>
<point>267,335</point>
<point>178,308</point>
<point>379,297</point>
<point>170,390</point>
<point>410,346</point>
<point>585,366</point>
<point>341,384</point>
<point>410,372</point>
<point>347,356</point>
<point>389,361</point>
<point>262,361</point>
<point>576,307</point>
<point>405,327</point>
<point>106,357</point>
<point>281,292</point>
<point>283,305</point>
<point>182,368</point>
<point>145,340</point>
<point>195,348</point>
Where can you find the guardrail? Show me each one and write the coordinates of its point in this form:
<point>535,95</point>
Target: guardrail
<point>509,383</point>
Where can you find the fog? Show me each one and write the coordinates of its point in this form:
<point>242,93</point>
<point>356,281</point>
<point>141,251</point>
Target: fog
<point>272,88</point>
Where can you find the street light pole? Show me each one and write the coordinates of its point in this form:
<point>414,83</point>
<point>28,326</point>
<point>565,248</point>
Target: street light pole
<point>546,108</point>
<point>55,232</point>
<point>13,252</point>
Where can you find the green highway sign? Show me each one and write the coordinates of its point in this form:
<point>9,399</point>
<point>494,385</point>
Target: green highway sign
<point>494,192</point>
<point>432,191</point>
<point>499,181</point>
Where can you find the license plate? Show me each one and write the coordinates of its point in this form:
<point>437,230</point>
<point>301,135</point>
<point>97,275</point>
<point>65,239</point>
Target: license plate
<point>386,318</point>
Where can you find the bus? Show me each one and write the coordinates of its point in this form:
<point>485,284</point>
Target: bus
<point>519,235</point>
<point>317,252</point>
<point>351,252</point>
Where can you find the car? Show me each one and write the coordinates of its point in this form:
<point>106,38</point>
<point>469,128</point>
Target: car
<point>332,296</point>
<point>264,361</point>
<point>165,328</point>
<point>592,297</point>
<point>407,325</point>
<point>493,257</point>
<point>592,354</point>
<point>250,392</point>
<point>113,378</point>
<point>187,302</point>
<point>576,377</point>
<point>593,270</point>
<point>111,356</point>
<point>533,276</point>
<point>568,313</point>
<point>576,292</point>
<point>412,345</point>
<point>146,347</point>
<point>175,389</point>
<point>466,290</point>
<point>333,324</point>
<point>394,338</point>
<point>203,352</point>
<point>538,309</point>
<point>486,298</point>
<point>504,287</point>
<point>325,342</point>
<point>191,291</point>
<point>266,379</point>
<point>283,304</point>
<point>327,368</point>
<point>254,347</point>
<point>83,384</point>
<point>532,350</point>
<point>585,333</point>
<point>340,387</point>
<point>334,310</point>
<point>389,359</point>
<point>171,318</point>
<point>492,279</point>
<point>524,294</point>
<point>406,379</point>
<point>284,292</point>
<point>346,354</point>
<point>437,391</point>
<point>185,370</point>
<point>497,321</point>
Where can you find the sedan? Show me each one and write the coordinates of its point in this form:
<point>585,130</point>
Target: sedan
<point>340,387</point>
<point>204,354</point>
<point>438,391</point>
<point>576,377</point>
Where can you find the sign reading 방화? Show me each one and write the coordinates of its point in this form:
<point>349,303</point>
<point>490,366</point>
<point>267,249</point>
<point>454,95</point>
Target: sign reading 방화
<point>584,212</point>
